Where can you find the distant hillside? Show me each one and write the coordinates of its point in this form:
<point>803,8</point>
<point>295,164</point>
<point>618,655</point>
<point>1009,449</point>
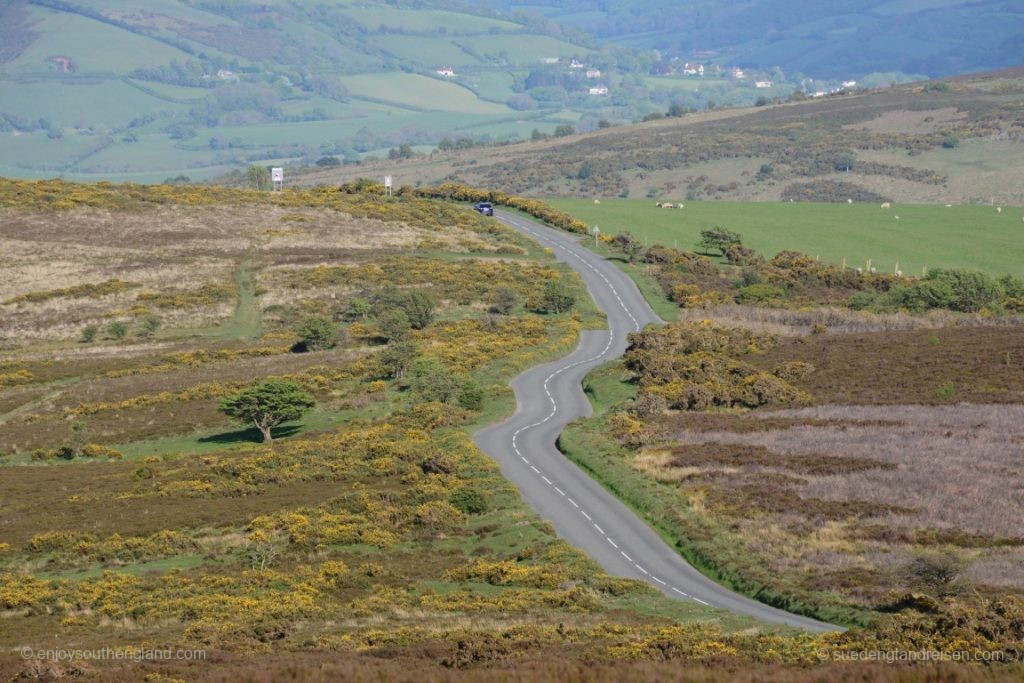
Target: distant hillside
<point>840,38</point>
<point>959,140</point>
<point>97,89</point>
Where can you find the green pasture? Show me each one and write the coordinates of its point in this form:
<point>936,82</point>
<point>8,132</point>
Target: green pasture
<point>419,92</point>
<point>932,236</point>
<point>92,46</point>
<point>81,102</point>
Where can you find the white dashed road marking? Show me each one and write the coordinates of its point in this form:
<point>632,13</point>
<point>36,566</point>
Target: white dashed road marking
<point>554,404</point>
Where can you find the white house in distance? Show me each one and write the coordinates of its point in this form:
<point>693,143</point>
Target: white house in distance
<point>763,84</point>
<point>593,73</point>
<point>576,64</point>
<point>446,71</point>
<point>599,90</point>
<point>549,60</point>
<point>737,73</point>
<point>693,69</point>
<point>849,84</point>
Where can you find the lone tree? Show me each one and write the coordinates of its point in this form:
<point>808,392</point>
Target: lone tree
<point>258,177</point>
<point>268,403</point>
<point>718,238</point>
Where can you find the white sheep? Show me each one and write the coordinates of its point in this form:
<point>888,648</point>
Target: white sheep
<point>886,205</point>
<point>597,201</point>
<point>949,206</point>
<point>849,201</point>
<point>897,217</point>
<point>680,206</point>
<point>999,209</point>
<point>859,271</point>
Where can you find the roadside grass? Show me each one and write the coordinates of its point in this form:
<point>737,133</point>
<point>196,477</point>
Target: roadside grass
<point>924,236</point>
<point>705,544</point>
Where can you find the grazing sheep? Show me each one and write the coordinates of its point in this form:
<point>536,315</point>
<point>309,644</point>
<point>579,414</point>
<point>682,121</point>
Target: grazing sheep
<point>680,206</point>
<point>897,217</point>
<point>874,270</point>
<point>949,206</point>
<point>849,201</point>
<point>859,271</point>
<point>886,205</point>
<point>597,201</point>
<point>899,273</point>
<point>999,209</point>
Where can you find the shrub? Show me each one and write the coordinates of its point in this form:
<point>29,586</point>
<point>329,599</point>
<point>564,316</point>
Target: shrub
<point>738,255</point>
<point>556,298</point>
<point>953,289</point>
<point>149,324</point>
<point>468,500</point>
<point>504,300</point>
<point>759,293</point>
<point>936,573</point>
<point>396,359</point>
<point>315,333</point>
<point>117,330</point>
<point>394,325</point>
<point>89,333</point>
<point>471,395</point>
<point>419,308</point>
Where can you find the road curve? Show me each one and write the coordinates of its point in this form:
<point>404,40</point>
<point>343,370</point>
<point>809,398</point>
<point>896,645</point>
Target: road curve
<point>549,397</point>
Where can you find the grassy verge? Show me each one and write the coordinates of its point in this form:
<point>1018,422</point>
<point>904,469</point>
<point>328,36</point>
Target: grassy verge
<point>705,544</point>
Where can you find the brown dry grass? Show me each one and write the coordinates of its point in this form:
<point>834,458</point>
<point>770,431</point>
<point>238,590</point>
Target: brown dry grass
<point>942,365</point>
<point>170,248</point>
<point>844,495</point>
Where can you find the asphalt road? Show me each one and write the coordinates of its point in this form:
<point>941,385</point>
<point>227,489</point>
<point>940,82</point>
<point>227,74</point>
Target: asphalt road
<point>549,397</point>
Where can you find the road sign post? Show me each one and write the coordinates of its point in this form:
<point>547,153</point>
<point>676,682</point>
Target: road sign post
<point>387,185</point>
<point>597,233</point>
<point>277,178</point>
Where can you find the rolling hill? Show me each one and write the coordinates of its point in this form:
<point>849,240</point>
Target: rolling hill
<point>101,89</point>
<point>106,90</point>
<point>849,38</point>
<point>953,141</point>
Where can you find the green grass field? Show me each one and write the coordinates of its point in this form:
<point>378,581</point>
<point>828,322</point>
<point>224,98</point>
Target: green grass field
<point>973,237</point>
<point>420,92</point>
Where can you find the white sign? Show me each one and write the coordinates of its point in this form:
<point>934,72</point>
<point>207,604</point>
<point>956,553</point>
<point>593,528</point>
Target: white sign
<point>277,175</point>
<point>387,181</point>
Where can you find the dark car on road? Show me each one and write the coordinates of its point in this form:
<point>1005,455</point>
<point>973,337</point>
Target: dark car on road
<point>486,208</point>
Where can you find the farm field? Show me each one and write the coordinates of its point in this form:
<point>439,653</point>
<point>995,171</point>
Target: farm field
<point>972,237</point>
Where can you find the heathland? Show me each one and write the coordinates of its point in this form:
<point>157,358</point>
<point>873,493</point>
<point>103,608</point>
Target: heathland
<point>371,538</point>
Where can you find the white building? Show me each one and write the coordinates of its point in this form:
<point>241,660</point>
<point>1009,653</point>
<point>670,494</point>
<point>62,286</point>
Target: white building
<point>593,73</point>
<point>693,69</point>
<point>763,84</point>
<point>576,64</point>
<point>599,90</point>
<point>737,72</point>
<point>549,60</point>
<point>446,71</point>
<point>849,84</point>
<point>227,75</point>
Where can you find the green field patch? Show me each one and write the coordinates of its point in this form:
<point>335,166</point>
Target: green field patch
<point>972,237</point>
<point>92,46</point>
<point>68,102</point>
<point>442,50</point>
<point>420,92</point>
<point>425,20</point>
<point>522,49</point>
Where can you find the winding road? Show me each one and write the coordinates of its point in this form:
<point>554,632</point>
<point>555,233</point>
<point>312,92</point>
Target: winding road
<point>583,513</point>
